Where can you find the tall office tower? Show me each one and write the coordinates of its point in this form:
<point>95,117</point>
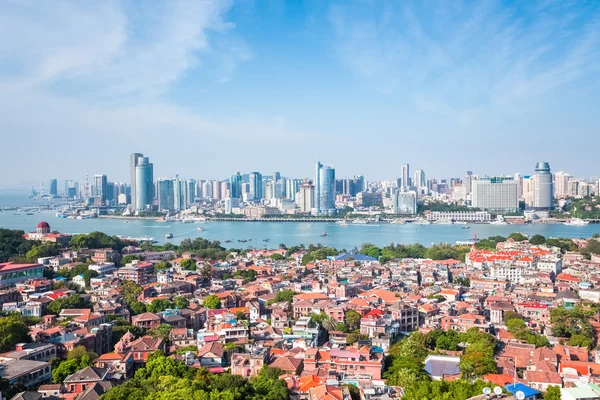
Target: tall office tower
<point>542,187</point>
<point>469,182</point>
<point>216,190</point>
<point>519,180</point>
<point>561,184</point>
<point>527,189</point>
<point>496,193</point>
<point>165,194</point>
<point>111,191</point>
<point>133,163</point>
<point>144,183</point>
<point>100,183</point>
<point>71,189</point>
<point>305,198</point>
<point>357,185</point>
<point>224,190</point>
<point>405,176</point>
<point>256,186</point>
<point>269,190</point>
<point>190,192</point>
<point>235,185</point>
<point>276,176</point>
<point>207,192</point>
<point>404,203</point>
<point>292,186</point>
<point>53,187</point>
<point>419,180</point>
<point>324,189</point>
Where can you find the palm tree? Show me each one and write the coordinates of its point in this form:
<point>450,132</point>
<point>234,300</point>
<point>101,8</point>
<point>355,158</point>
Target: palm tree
<point>329,324</point>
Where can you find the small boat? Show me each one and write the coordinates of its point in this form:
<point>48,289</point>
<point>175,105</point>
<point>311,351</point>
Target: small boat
<point>342,222</point>
<point>228,241</point>
<point>200,229</point>
<point>466,227</point>
<point>126,222</point>
<point>169,235</point>
<point>324,234</point>
<point>576,222</point>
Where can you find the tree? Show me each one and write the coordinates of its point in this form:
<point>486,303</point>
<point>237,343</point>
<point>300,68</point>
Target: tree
<point>189,264</point>
<point>69,367</point>
<point>159,305</point>
<point>163,331</point>
<point>276,257</point>
<point>13,330</point>
<point>162,266</point>
<point>72,301</point>
<point>42,250</point>
<point>553,393</point>
<point>212,302</point>
<point>88,275</point>
<point>512,315</point>
<point>353,319</point>
<point>537,240</point>
<point>329,324</point>
<point>517,237</point>
<point>181,302</point>
<point>580,340</point>
<point>354,337</point>
<point>354,392</point>
<point>78,352</point>
<point>129,258</point>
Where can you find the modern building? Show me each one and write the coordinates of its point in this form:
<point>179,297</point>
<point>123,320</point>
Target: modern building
<point>100,187</point>
<point>133,163</point>
<point>466,216</point>
<point>419,180</point>
<point>256,186</point>
<point>405,176</point>
<point>165,194</point>
<point>305,199</point>
<point>324,190</point>
<point>542,187</point>
<point>561,184</point>
<point>53,187</point>
<point>292,187</point>
<point>235,186</point>
<point>495,193</point>
<point>11,273</point>
<point>404,203</point>
<point>469,182</point>
<point>144,183</point>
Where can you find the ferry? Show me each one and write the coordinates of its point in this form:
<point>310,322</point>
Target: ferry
<point>576,222</point>
<point>169,236</point>
<point>499,221</point>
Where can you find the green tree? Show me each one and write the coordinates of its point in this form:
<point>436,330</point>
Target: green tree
<point>580,340</point>
<point>354,337</point>
<point>517,237</point>
<point>553,393</point>
<point>129,258</point>
<point>181,302</point>
<point>212,302</point>
<point>354,392</point>
<point>72,301</point>
<point>69,367</point>
<point>13,330</point>
<point>78,352</point>
<point>163,331</point>
<point>189,264</point>
<point>88,275</point>
<point>162,266</point>
<point>159,305</point>
<point>353,319</point>
<point>537,240</point>
<point>42,250</point>
<point>276,257</point>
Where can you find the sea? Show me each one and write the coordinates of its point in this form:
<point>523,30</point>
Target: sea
<point>270,234</point>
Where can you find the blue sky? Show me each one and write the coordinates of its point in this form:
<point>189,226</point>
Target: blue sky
<point>206,88</point>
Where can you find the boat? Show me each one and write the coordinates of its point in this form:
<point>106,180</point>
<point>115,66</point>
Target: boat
<point>460,222</point>
<point>228,241</point>
<point>169,235</point>
<point>466,227</point>
<point>468,242</point>
<point>324,234</point>
<point>499,221</point>
<point>187,221</point>
<point>576,222</point>
<point>342,222</point>
<point>360,221</point>
<point>200,229</point>
<point>443,221</point>
<point>398,221</point>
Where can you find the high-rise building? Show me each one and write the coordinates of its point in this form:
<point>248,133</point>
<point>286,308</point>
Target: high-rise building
<point>207,190</point>
<point>100,183</point>
<point>404,203</point>
<point>419,180</point>
<point>190,192</point>
<point>324,189</point>
<point>495,193</point>
<point>256,186</point>
<point>305,198</point>
<point>53,187</point>
<point>292,187</point>
<point>561,184</point>
<point>405,176</point>
<point>542,187</point>
<point>133,163</point>
<point>178,186</point>
<point>165,194</point>
<point>235,185</point>
<point>216,190</point>
<point>469,182</point>
<point>144,183</point>
<point>276,176</point>
<point>71,189</point>
<point>224,190</point>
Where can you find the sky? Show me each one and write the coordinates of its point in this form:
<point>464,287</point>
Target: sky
<point>206,88</point>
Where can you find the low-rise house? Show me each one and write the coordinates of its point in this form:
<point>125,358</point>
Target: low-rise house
<point>211,355</point>
<point>25,372</point>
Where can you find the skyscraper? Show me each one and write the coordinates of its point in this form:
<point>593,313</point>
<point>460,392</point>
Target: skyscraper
<point>165,194</point>
<point>404,203</point>
<point>497,193</point>
<point>324,189</point>
<point>144,183</point>
<point>133,163</point>
<point>306,197</point>
<point>256,186</point>
<point>469,182</point>
<point>405,176</point>
<point>542,187</point>
<point>419,179</point>
<point>235,185</point>
<point>53,187</point>
<point>178,194</point>
<point>100,183</point>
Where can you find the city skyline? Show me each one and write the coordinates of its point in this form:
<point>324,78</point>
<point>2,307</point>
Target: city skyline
<point>489,87</point>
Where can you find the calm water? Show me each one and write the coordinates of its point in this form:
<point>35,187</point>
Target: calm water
<point>289,233</point>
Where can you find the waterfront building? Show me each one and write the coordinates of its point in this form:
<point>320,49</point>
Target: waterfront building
<point>43,233</point>
<point>230,204</point>
<point>190,192</point>
<point>466,216</point>
<point>469,182</point>
<point>255,187</point>
<point>133,163</point>
<point>235,185</point>
<point>306,197</point>
<point>144,183</point>
<point>165,194</point>
<point>216,190</point>
<point>100,187</point>
<point>542,187</point>
<point>207,190</point>
<point>495,193</point>
<point>324,190</point>
<point>404,203</point>
<point>53,187</point>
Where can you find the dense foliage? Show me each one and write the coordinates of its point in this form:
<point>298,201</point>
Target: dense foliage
<point>13,330</point>
<point>97,240</point>
<point>72,301</point>
<point>79,359</point>
<point>586,208</point>
<point>12,243</point>
<point>518,328</point>
<point>203,248</point>
<point>212,302</point>
<point>574,324</point>
<point>167,379</point>
<point>318,253</point>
